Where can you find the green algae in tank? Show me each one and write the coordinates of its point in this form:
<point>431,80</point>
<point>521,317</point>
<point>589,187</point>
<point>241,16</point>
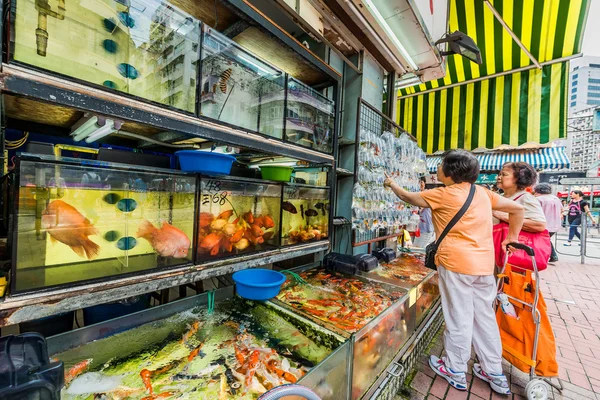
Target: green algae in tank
<point>305,215</point>
<point>71,228</point>
<point>239,352</point>
<point>148,49</point>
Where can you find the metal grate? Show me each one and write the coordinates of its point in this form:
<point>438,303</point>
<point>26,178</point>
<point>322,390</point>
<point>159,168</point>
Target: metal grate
<point>390,387</point>
<point>369,118</point>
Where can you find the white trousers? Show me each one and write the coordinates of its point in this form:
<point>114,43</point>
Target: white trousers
<point>467,303</point>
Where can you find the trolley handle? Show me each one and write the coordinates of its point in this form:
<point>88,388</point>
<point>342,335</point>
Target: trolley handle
<point>524,247</point>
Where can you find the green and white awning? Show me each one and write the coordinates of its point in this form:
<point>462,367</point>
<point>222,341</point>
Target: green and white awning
<point>526,103</point>
<point>542,158</point>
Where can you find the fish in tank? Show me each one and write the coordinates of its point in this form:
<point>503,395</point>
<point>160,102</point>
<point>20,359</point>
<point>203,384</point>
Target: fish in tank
<point>238,88</point>
<point>305,216</point>
<point>236,217</point>
<point>239,351</point>
<point>77,223</point>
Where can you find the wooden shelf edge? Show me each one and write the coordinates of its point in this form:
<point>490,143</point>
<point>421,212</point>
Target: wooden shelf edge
<point>379,239</point>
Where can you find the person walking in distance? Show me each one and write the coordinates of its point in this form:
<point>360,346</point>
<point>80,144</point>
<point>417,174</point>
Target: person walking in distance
<point>465,264</point>
<point>552,208</point>
<point>577,207</point>
<point>425,224</point>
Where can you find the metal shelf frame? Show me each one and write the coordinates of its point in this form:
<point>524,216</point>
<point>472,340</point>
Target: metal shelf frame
<point>14,310</point>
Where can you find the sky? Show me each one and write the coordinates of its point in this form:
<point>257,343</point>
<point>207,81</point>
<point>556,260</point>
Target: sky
<point>591,45</point>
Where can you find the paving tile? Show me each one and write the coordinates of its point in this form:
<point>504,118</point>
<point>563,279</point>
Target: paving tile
<point>454,394</point>
<point>422,383</point>
<point>439,387</point>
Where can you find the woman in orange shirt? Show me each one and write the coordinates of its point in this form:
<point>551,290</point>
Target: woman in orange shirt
<point>465,260</point>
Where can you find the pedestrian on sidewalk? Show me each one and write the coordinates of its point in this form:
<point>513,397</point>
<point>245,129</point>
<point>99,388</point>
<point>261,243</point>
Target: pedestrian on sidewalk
<point>425,224</point>
<point>465,264</point>
<point>577,207</point>
<point>552,207</point>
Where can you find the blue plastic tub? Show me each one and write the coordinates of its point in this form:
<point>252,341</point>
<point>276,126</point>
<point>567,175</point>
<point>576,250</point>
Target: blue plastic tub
<point>205,162</point>
<point>258,284</point>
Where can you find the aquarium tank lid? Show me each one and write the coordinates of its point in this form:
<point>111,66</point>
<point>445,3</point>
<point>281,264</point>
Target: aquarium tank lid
<point>97,163</point>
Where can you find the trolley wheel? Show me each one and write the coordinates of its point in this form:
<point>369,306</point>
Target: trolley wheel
<point>537,389</point>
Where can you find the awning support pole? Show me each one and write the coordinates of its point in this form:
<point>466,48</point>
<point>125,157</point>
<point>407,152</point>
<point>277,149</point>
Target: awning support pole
<point>512,34</point>
<point>496,75</point>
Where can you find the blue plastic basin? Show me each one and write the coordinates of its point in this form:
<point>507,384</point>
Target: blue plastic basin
<point>205,162</point>
<point>258,284</point>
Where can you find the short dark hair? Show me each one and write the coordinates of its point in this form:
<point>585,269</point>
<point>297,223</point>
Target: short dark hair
<point>543,188</point>
<point>423,179</point>
<point>461,166</point>
<point>524,174</point>
<point>579,192</point>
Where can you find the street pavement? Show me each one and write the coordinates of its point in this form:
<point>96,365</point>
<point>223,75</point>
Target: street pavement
<point>572,293</point>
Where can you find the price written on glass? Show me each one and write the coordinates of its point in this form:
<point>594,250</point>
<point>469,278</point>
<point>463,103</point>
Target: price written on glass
<point>215,195</point>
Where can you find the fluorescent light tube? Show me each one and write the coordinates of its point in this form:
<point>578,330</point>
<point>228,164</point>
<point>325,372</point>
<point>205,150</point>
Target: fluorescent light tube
<point>85,129</point>
<point>241,57</point>
<point>98,134</point>
<point>391,33</point>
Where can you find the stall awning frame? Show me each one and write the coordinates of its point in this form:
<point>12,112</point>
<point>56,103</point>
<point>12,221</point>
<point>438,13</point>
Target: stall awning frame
<point>509,86</point>
<point>543,158</point>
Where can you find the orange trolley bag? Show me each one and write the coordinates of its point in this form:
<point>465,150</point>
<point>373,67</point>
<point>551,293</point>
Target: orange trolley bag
<point>528,340</point>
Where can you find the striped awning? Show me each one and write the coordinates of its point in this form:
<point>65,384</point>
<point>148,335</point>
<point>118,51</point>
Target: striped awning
<point>527,104</point>
<point>543,158</point>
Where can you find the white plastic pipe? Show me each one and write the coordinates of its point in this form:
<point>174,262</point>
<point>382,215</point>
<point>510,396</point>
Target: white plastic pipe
<point>289,390</point>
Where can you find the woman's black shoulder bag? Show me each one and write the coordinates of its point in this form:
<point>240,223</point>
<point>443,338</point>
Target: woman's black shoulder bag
<point>431,248</point>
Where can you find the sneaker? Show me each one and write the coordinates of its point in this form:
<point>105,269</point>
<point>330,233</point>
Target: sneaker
<point>458,380</point>
<point>498,382</point>
<point>553,259</point>
<point>567,244</point>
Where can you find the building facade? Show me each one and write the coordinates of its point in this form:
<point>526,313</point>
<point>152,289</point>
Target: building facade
<point>583,145</point>
<point>584,85</point>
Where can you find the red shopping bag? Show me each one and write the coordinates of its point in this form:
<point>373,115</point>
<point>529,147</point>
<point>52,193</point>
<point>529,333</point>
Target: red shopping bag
<point>539,242</point>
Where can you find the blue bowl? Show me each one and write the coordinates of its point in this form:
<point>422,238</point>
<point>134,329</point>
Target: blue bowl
<point>205,162</point>
<point>258,284</point>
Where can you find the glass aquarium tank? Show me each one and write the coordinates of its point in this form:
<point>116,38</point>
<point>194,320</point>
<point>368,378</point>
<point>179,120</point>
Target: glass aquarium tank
<point>76,222</point>
<point>149,49</point>
<point>238,88</point>
<point>310,117</point>
<point>237,217</point>
<point>305,214</point>
<point>238,350</point>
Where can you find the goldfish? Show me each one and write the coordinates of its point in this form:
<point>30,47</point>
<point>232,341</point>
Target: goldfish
<point>206,219</point>
<point>167,241</point>
<point>67,225</point>
<point>289,207</point>
<point>76,369</point>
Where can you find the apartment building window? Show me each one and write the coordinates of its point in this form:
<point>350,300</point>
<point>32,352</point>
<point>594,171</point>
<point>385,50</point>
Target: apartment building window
<point>593,102</point>
<point>591,87</point>
<point>594,65</point>
<point>574,90</point>
<point>592,80</point>
<point>575,76</point>
<point>573,97</point>
<point>573,103</point>
<point>594,94</point>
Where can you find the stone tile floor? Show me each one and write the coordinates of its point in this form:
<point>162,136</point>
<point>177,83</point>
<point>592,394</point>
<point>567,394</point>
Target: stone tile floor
<point>572,293</point>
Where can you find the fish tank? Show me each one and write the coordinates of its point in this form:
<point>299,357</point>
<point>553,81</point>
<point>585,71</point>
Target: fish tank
<point>377,316</point>
<point>238,88</point>
<point>408,271</point>
<point>305,214</point>
<point>237,216</point>
<point>310,117</point>
<point>149,49</point>
<point>237,349</point>
<point>79,221</point>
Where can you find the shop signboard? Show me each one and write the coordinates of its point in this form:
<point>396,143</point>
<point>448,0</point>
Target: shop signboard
<point>555,178</point>
<point>486,179</point>
<point>580,181</point>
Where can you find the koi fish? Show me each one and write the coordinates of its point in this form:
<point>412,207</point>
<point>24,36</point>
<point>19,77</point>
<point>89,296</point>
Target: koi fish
<point>321,206</point>
<point>167,241</point>
<point>206,219</point>
<point>76,369</point>
<point>64,223</point>
<point>289,207</point>
<point>224,78</point>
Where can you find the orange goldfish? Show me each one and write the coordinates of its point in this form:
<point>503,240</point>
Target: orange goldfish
<point>76,370</point>
<point>167,241</point>
<point>64,223</point>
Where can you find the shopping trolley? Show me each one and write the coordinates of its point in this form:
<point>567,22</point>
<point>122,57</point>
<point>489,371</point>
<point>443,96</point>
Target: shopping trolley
<point>527,340</point>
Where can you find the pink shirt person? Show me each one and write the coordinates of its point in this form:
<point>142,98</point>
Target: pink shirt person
<point>551,206</point>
